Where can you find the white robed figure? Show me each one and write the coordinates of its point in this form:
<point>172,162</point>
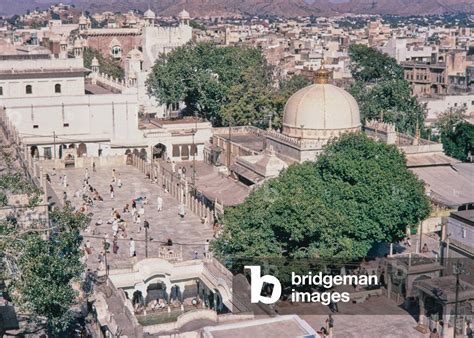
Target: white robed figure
<point>132,248</point>
<point>159,203</point>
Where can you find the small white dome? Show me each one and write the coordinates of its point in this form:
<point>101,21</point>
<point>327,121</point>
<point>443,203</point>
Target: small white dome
<point>82,19</point>
<point>183,15</point>
<point>149,14</point>
<point>135,54</point>
<point>95,62</point>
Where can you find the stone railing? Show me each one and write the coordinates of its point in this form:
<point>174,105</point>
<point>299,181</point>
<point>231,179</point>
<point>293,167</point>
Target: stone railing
<point>178,188</point>
<point>109,82</point>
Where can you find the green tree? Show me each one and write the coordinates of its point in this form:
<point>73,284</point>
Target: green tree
<point>390,100</point>
<point>207,79</point>
<point>47,258</point>
<point>459,143</point>
<point>450,118</point>
<point>381,91</point>
<point>457,135</point>
<point>107,65</point>
<point>370,65</point>
<point>47,269</point>
<point>357,193</point>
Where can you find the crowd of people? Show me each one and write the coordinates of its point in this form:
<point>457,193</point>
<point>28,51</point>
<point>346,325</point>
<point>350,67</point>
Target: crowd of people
<point>87,197</point>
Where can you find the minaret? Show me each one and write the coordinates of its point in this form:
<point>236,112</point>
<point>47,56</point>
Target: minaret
<point>95,65</point>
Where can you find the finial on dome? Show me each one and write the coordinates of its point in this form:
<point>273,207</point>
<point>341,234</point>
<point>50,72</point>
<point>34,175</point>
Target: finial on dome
<point>322,75</point>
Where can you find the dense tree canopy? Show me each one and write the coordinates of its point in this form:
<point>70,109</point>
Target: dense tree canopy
<point>457,135</point>
<point>359,192</point>
<point>370,65</point>
<point>47,268</point>
<point>214,81</point>
<point>47,258</point>
<point>390,101</point>
<point>381,91</point>
<point>220,83</point>
<point>107,65</point>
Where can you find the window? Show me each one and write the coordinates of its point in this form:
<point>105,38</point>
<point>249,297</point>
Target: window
<point>116,52</point>
<point>66,125</point>
<point>29,89</point>
<point>47,153</point>
<point>35,126</point>
<point>57,88</point>
<point>1,91</point>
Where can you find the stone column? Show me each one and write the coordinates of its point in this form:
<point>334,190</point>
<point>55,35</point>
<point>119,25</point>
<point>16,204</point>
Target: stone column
<point>422,317</point>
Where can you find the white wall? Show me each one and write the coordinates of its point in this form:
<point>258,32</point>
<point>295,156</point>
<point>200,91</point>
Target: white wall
<point>112,117</point>
<point>16,88</point>
<point>440,105</point>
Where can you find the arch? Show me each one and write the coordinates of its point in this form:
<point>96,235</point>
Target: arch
<point>116,52</point>
<point>81,149</point>
<point>137,298</point>
<point>156,290</point>
<point>185,152</point>
<point>61,148</point>
<point>143,154</point>
<point>57,88</point>
<point>29,89</point>
<point>34,151</point>
<point>72,146</point>
<point>128,153</point>
<point>136,152</point>
<point>159,151</point>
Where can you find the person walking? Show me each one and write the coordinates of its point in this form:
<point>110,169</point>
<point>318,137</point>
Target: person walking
<point>134,214</point>
<point>119,182</point>
<point>181,211</point>
<point>133,251</point>
<point>159,203</point>
<point>115,246</point>
<point>93,167</point>
<point>206,248</point>
<point>330,325</point>
<point>65,181</point>
<point>112,192</point>
<point>139,223</point>
<point>86,174</point>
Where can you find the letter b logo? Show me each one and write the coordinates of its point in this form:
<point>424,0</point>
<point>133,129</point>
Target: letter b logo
<point>257,284</point>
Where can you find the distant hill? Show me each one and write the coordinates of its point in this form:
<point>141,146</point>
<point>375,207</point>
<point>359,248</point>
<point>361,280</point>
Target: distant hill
<point>289,8</point>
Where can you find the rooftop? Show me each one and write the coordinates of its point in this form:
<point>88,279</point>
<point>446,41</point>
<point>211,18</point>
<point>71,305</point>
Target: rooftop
<point>451,185</point>
<point>288,326</point>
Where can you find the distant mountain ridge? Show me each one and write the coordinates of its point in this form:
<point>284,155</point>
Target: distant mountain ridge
<point>288,8</point>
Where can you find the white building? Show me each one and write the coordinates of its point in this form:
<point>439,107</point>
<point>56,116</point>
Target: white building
<point>46,101</point>
<point>399,49</point>
<point>162,40</point>
<point>438,105</point>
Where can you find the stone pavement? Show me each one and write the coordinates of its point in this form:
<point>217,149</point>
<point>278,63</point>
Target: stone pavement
<point>376,317</point>
<point>187,234</point>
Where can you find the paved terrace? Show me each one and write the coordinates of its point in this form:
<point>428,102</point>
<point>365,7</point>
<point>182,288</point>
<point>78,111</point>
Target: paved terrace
<point>188,233</point>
